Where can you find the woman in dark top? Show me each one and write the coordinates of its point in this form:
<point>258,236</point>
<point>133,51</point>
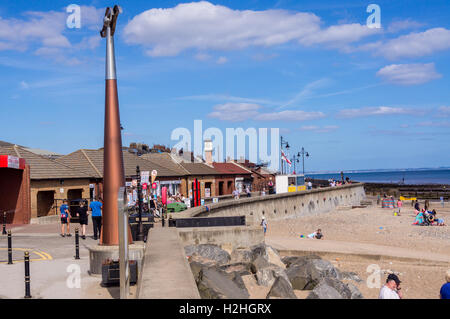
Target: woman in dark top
<point>83,214</point>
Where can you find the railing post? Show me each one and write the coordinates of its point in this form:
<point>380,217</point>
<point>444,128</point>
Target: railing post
<point>9,248</point>
<point>27,275</point>
<point>77,244</point>
<point>4,224</point>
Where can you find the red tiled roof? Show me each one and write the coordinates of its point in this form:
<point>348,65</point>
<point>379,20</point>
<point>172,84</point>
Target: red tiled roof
<point>230,168</point>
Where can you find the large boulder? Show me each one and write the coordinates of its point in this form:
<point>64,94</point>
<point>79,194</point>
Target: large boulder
<point>355,293</point>
<point>266,273</point>
<point>281,288</point>
<point>241,255</point>
<point>350,276</point>
<point>274,257</point>
<point>208,251</point>
<point>305,275</point>
<point>216,284</point>
<point>330,288</point>
<point>241,268</point>
<point>289,260</point>
<point>259,251</point>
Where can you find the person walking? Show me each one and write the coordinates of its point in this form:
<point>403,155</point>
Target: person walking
<point>65,219</point>
<point>83,215</point>
<point>391,290</point>
<point>96,208</point>
<point>399,206</point>
<point>445,289</point>
<point>264,225</point>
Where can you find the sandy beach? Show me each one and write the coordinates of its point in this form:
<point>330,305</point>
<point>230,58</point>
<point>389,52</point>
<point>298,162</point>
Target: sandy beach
<point>359,237</point>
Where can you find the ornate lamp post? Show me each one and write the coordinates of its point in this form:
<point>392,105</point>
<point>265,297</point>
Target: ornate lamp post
<point>283,142</point>
<point>303,153</point>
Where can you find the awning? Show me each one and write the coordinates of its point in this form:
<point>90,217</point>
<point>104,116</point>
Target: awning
<point>8,161</point>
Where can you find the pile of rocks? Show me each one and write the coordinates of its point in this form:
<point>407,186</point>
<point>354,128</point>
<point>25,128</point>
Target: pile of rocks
<point>218,274</point>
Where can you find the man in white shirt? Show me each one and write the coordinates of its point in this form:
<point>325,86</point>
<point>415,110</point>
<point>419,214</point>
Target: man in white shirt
<point>391,290</point>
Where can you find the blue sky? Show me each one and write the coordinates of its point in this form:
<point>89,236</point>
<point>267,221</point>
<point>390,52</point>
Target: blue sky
<point>354,97</point>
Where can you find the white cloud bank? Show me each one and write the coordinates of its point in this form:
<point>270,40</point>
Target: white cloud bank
<point>238,112</point>
<point>409,74</point>
<point>375,111</point>
<point>205,26</point>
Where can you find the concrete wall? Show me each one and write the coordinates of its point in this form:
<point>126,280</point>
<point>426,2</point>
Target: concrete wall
<point>234,236</point>
<point>282,206</point>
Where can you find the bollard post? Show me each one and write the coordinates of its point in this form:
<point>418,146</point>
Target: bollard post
<point>4,224</point>
<point>27,275</point>
<point>9,248</point>
<point>77,244</point>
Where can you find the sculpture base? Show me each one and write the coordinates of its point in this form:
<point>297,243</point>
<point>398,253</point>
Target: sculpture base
<point>98,254</point>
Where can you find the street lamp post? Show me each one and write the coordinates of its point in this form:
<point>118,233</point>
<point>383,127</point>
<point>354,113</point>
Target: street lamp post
<point>303,153</point>
<point>140,234</point>
<point>283,142</point>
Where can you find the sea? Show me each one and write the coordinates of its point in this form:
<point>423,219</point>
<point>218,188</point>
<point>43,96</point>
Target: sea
<point>409,176</point>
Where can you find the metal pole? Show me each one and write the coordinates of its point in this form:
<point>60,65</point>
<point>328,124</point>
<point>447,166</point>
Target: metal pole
<point>27,275</point>
<point>4,224</point>
<point>113,170</point>
<point>77,244</point>
<point>140,234</point>
<point>10,261</point>
<point>303,156</point>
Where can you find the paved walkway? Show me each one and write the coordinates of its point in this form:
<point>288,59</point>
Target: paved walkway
<point>166,272</point>
<point>329,246</point>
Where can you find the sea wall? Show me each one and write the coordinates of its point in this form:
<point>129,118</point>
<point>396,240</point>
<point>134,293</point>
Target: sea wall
<point>282,206</point>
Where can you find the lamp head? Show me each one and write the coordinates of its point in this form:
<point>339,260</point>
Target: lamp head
<point>110,20</point>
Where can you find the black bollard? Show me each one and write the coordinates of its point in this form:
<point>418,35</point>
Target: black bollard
<point>77,244</point>
<point>9,248</point>
<point>4,224</point>
<point>27,275</point>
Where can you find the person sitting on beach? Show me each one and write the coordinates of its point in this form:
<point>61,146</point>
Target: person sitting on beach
<point>419,219</point>
<point>391,290</point>
<point>317,234</point>
<point>417,206</point>
<point>438,221</point>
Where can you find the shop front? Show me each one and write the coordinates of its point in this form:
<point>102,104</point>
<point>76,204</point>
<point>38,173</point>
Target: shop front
<point>15,190</point>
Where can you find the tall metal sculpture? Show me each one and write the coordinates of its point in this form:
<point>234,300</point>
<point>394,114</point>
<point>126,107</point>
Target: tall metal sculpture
<point>113,169</point>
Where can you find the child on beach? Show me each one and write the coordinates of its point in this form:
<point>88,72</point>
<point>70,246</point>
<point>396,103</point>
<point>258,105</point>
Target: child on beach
<point>399,206</point>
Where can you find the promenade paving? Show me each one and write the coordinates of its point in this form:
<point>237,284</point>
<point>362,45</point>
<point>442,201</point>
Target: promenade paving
<point>53,269</point>
<point>166,272</point>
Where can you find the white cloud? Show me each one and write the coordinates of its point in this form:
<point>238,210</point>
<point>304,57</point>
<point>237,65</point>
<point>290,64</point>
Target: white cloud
<point>338,35</point>
<point>290,116</point>
<point>205,26</point>
<point>380,110</point>
<point>318,129</point>
<point>400,25</point>
<point>235,112</point>
<point>238,112</point>
<point>409,74</point>
<point>413,45</point>
<point>222,60</point>
<point>46,30</point>
<point>444,111</point>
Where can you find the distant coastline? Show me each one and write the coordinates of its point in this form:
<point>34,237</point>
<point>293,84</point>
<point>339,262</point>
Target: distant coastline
<point>425,176</point>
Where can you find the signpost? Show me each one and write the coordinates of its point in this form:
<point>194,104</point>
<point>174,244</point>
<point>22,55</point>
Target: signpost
<point>123,246</point>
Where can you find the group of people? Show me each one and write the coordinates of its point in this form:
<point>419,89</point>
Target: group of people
<point>425,217</point>
<point>82,213</point>
<point>334,183</point>
<point>392,289</point>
